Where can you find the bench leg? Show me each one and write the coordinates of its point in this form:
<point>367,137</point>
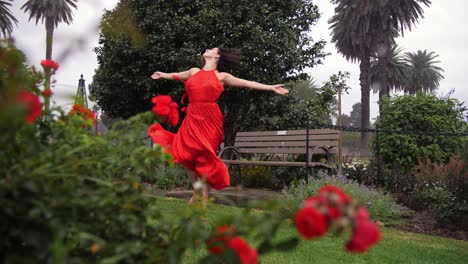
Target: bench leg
<point>238,176</point>
<point>239,173</point>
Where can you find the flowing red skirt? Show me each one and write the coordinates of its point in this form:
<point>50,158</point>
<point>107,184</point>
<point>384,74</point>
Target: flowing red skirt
<point>195,144</point>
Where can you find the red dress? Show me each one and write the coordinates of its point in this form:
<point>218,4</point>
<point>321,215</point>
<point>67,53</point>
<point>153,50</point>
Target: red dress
<point>195,144</point>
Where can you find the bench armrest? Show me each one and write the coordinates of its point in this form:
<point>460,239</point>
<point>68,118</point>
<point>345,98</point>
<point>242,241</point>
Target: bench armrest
<point>235,151</point>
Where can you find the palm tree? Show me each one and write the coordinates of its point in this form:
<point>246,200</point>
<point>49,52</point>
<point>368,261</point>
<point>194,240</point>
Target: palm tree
<point>51,13</point>
<point>397,71</point>
<point>6,18</point>
<point>368,28</point>
<point>351,34</point>
<point>306,89</point>
<point>387,16</point>
<point>424,75</point>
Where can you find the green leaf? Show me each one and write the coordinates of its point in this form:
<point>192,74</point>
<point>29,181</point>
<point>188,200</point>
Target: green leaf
<point>265,247</point>
<point>287,245</point>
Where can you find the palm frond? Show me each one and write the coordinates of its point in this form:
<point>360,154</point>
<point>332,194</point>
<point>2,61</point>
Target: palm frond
<point>6,18</point>
<point>397,71</point>
<point>57,10</point>
<point>425,75</point>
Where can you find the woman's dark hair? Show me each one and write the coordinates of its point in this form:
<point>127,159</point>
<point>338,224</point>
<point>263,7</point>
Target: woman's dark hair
<point>229,59</point>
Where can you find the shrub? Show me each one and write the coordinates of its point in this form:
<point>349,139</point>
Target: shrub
<point>258,176</point>
<point>446,206</point>
<point>355,170</point>
<point>452,175</point>
<point>381,206</point>
<point>168,177</point>
<point>427,118</point>
<point>441,188</point>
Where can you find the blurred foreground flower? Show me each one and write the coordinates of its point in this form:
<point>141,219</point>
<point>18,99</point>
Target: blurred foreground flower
<point>32,104</point>
<point>50,64</point>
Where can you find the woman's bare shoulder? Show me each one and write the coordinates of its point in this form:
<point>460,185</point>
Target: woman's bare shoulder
<point>223,75</point>
<point>194,70</point>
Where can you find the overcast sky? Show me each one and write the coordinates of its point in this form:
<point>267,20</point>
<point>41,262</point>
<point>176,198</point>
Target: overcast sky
<point>441,30</point>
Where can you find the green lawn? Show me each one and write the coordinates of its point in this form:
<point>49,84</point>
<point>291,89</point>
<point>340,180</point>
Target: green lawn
<point>395,247</point>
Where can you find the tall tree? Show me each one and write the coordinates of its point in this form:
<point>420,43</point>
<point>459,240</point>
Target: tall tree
<point>363,28</point>
<point>51,13</point>
<point>424,75</point>
<point>352,38</point>
<point>6,18</point>
<point>386,17</point>
<point>398,71</point>
<point>273,36</point>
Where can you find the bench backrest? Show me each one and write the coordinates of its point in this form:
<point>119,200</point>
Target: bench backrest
<point>286,141</point>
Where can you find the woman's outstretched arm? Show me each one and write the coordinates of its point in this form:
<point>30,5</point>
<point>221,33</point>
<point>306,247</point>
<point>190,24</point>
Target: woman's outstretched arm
<point>231,80</point>
<point>183,75</point>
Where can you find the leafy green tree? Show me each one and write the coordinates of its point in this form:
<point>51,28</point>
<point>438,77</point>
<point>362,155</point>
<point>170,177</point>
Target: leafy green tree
<point>428,117</point>
<point>6,18</point>
<point>51,13</point>
<point>424,74</point>
<point>273,36</point>
<point>346,120</point>
<point>315,105</point>
<point>355,115</point>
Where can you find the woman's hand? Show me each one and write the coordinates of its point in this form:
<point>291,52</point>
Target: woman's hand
<point>279,89</point>
<point>157,75</point>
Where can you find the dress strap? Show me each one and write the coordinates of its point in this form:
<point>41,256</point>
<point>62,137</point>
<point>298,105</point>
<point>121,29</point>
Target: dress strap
<point>182,101</point>
<point>177,78</point>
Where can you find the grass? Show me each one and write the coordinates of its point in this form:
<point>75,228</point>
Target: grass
<point>395,247</point>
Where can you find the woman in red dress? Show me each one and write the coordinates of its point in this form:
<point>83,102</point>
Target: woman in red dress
<point>196,143</point>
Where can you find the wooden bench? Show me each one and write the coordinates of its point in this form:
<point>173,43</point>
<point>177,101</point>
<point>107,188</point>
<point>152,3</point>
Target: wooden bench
<point>283,148</point>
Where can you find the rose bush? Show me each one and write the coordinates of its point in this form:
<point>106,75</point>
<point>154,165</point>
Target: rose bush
<point>69,196</point>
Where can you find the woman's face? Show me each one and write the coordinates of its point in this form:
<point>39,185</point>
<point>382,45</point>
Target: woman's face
<point>214,53</point>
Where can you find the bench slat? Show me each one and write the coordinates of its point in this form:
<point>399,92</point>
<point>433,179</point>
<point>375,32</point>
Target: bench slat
<point>276,163</point>
<point>287,132</point>
<point>288,138</point>
<point>287,144</point>
<point>282,150</point>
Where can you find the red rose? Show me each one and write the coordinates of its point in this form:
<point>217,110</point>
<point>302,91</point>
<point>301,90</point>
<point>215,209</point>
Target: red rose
<point>312,201</point>
<point>50,64</point>
<point>334,194</point>
<point>92,116</point>
<point>173,114</point>
<point>362,214</point>
<point>310,223</point>
<point>333,213</point>
<point>47,92</point>
<point>32,104</point>
<point>247,254</point>
<point>365,235</point>
<point>217,244</point>
<point>84,112</point>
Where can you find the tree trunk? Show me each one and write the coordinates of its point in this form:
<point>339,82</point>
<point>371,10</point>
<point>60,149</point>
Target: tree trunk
<point>49,24</point>
<point>364,78</point>
<point>382,55</point>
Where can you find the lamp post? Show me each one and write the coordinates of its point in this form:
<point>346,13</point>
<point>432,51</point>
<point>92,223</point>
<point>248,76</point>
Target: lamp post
<point>96,112</point>
<point>340,124</point>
